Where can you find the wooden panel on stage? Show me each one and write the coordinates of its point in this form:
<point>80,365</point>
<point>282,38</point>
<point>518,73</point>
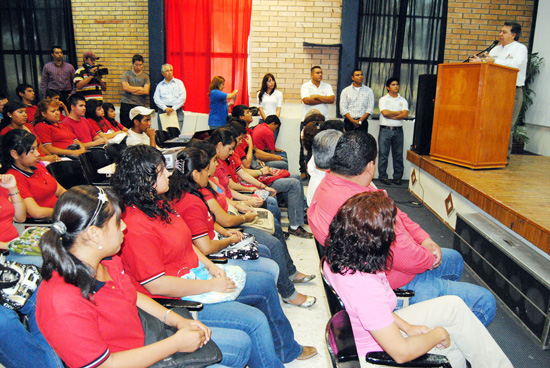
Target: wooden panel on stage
<point>473,114</point>
<point>518,196</point>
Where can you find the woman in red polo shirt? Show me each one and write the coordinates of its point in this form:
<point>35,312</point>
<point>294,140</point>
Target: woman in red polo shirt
<point>20,157</point>
<point>95,113</point>
<point>87,308</point>
<point>57,138</point>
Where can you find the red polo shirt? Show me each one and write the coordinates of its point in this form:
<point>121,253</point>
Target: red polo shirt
<point>153,248</point>
<point>222,173</point>
<point>8,232</point>
<point>196,215</point>
<point>57,135</point>
<point>220,196</point>
<point>38,185</point>
<point>85,332</point>
<point>82,129</point>
<point>263,138</point>
<point>409,257</point>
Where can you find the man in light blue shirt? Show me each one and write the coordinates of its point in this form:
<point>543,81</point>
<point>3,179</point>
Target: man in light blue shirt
<point>170,95</point>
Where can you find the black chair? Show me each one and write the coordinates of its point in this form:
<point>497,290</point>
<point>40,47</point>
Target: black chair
<point>160,137</point>
<point>335,304</point>
<point>343,352</point>
<point>173,132</point>
<point>114,151</point>
<point>320,248</point>
<point>91,161</point>
<point>67,173</point>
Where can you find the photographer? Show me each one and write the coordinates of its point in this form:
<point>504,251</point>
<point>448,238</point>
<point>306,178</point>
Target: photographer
<point>88,79</point>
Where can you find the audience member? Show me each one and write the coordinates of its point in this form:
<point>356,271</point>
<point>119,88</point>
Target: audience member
<point>170,94</point>
<point>88,80</point>
<point>270,99</point>
<point>57,76</point>
<point>79,125</point>
<point>356,103</point>
<point>25,92</point>
<point>136,85</point>
<point>37,187</point>
<point>3,101</point>
<point>324,145</point>
<point>55,96</point>
<point>359,252</point>
<point>219,106</point>
<point>263,137</point>
<point>141,131</point>
<point>312,125</point>
<point>393,109</point>
<point>157,254</point>
<point>110,116</point>
<point>87,307</point>
<point>57,138</point>
<point>96,118</point>
<point>419,263</point>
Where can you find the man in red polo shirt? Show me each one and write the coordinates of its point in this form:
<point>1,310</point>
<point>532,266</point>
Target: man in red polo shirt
<point>26,93</point>
<point>80,126</point>
<point>418,262</point>
<point>263,137</point>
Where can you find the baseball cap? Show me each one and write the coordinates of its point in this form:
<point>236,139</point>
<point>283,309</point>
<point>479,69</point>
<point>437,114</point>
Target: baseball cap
<point>90,54</point>
<point>140,110</point>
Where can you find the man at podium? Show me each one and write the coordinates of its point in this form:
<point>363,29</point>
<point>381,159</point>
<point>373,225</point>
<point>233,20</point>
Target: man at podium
<point>510,53</point>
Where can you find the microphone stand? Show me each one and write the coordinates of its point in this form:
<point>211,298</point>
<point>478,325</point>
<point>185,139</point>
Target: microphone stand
<point>492,46</point>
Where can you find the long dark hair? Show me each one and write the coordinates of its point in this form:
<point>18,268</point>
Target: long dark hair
<point>263,89</point>
<point>135,177</point>
<point>106,107</point>
<point>361,233</point>
<point>181,180</point>
<point>210,151</point>
<point>76,210</point>
<point>91,106</point>
<point>223,135</point>
<point>10,107</point>
<point>16,139</point>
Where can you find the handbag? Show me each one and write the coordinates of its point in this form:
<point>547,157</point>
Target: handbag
<point>235,273</point>
<point>156,331</point>
<point>246,249</point>
<point>17,283</point>
<point>264,221</point>
<point>277,174</point>
<point>28,242</point>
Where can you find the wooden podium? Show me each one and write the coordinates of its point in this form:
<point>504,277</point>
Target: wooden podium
<point>473,114</point>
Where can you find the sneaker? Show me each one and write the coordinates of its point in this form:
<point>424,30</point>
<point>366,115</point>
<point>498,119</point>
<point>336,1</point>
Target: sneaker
<point>385,181</point>
<point>300,232</point>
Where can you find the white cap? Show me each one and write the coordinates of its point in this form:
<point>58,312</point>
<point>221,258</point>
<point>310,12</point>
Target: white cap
<point>140,110</point>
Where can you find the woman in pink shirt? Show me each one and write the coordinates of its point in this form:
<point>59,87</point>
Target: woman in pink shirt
<point>358,255</point>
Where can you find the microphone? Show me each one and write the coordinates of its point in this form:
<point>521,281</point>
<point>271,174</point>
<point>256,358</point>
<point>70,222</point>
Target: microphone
<point>492,46</point>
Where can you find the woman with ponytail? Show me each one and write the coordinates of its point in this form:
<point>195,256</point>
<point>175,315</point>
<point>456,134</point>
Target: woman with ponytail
<point>158,254</point>
<point>87,307</point>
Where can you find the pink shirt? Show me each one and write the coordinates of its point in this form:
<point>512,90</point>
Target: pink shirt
<point>409,257</point>
<point>369,310</point>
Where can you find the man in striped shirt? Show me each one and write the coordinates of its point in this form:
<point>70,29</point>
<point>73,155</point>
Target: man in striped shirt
<point>86,80</point>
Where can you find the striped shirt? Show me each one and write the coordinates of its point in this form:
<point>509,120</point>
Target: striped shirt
<point>91,91</point>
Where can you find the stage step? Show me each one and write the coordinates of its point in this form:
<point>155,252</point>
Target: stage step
<point>516,271</point>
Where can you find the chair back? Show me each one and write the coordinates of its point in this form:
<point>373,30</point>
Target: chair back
<point>67,173</point>
<point>91,161</point>
<point>173,132</point>
<point>320,248</point>
<point>160,137</point>
<point>335,304</point>
<point>340,342</point>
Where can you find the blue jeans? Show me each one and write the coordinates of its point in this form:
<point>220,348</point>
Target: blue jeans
<point>268,328</point>
<point>291,190</point>
<point>263,264</point>
<point>279,254</point>
<point>235,346</point>
<point>24,259</point>
<point>20,348</point>
<point>444,280</point>
<point>283,164</point>
<point>388,138</point>
<point>272,206</point>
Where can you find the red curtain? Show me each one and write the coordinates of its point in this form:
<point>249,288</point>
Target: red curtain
<point>205,38</point>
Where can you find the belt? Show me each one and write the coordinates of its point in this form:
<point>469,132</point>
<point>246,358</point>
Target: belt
<point>390,127</point>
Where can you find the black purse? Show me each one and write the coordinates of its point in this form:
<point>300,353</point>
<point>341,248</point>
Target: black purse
<point>155,331</point>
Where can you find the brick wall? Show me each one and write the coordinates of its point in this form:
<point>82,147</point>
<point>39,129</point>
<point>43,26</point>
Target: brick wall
<point>473,24</point>
<point>278,31</point>
<point>114,31</point>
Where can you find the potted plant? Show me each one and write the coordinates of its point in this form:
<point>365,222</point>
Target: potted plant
<point>519,133</point>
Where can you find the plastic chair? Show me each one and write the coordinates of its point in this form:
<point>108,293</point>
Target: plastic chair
<point>67,173</point>
<point>91,161</point>
<point>343,352</point>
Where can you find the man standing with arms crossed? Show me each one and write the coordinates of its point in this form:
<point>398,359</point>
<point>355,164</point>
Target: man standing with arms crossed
<point>356,103</point>
<point>316,94</point>
<point>393,109</point>
<point>135,84</point>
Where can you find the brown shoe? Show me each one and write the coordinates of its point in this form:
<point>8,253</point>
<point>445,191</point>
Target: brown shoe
<point>307,352</point>
<point>300,232</point>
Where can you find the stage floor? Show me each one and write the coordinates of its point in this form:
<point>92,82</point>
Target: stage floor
<point>518,195</point>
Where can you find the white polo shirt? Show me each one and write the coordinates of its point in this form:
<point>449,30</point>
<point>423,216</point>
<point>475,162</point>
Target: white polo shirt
<point>390,103</point>
<point>514,55</point>
<point>309,89</point>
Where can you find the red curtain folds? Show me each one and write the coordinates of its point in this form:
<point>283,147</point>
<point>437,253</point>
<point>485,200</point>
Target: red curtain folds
<point>206,38</point>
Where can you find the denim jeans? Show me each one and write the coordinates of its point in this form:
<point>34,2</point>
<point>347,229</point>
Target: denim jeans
<point>281,256</point>
<point>292,191</point>
<point>268,328</point>
<point>24,259</point>
<point>235,346</point>
<point>283,164</point>
<point>20,348</point>
<point>263,264</point>
<point>388,138</point>
<point>272,206</point>
<point>444,280</point>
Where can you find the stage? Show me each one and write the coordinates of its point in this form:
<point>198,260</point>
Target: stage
<point>517,196</point>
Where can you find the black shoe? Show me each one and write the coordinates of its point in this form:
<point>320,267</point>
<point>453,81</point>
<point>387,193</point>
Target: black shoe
<point>300,232</point>
<point>397,181</point>
<point>286,234</point>
<point>385,181</point>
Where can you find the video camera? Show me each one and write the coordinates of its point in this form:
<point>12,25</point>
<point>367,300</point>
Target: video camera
<point>99,71</point>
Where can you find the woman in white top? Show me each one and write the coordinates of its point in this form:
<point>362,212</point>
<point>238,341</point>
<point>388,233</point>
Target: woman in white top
<point>270,99</point>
